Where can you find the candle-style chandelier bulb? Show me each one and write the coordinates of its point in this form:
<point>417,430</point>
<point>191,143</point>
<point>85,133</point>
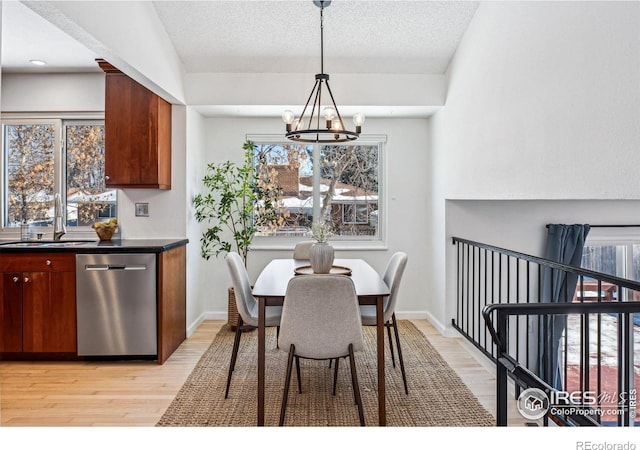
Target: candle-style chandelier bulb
<point>329,114</point>
<point>358,120</point>
<point>288,117</point>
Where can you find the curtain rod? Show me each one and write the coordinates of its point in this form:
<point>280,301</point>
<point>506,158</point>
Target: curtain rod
<point>609,226</point>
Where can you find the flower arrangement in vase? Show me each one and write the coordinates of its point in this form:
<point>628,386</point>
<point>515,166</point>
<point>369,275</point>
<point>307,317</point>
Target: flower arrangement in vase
<point>321,253</point>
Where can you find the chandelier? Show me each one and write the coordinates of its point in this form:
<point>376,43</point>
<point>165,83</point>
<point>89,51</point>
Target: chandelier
<point>310,127</point>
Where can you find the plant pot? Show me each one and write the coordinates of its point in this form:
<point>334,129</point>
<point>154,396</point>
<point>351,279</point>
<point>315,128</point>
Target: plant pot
<point>321,257</point>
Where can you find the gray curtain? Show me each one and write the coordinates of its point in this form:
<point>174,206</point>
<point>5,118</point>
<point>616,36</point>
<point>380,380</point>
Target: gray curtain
<point>564,245</point>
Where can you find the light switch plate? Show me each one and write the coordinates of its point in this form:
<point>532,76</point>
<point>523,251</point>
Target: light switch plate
<point>142,210</point>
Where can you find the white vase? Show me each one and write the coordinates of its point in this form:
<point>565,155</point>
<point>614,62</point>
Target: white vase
<point>321,257</point>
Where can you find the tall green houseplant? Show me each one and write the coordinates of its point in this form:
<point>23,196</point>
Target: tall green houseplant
<point>236,203</point>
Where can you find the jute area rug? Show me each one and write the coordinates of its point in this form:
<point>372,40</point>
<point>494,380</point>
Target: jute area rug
<point>437,396</point>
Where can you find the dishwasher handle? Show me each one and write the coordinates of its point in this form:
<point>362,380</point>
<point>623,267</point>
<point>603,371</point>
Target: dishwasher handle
<point>95,267</point>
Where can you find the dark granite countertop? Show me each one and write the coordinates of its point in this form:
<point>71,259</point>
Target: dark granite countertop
<point>92,246</point>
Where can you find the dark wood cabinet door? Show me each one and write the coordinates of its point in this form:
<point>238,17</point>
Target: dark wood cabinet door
<point>137,134</point>
<point>11,312</point>
<point>49,317</point>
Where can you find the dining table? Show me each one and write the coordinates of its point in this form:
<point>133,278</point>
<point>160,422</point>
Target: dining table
<point>270,289</point>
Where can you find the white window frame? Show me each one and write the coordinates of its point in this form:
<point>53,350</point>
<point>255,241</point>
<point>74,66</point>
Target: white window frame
<point>59,167</point>
<point>378,242</point>
<point>353,208</point>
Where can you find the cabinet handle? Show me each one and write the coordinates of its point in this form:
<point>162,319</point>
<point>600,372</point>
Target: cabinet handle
<point>107,177</point>
<point>26,279</point>
<point>15,279</point>
<point>48,262</point>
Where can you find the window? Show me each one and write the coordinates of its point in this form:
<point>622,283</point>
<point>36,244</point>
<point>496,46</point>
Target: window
<point>339,184</point>
<point>621,260</point>
<point>47,156</point>
<point>355,213</point>
<point>618,257</point>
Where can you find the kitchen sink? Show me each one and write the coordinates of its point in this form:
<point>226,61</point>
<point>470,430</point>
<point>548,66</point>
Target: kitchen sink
<point>19,244</point>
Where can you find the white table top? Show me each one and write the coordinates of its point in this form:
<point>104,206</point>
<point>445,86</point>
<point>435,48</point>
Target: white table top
<point>274,278</point>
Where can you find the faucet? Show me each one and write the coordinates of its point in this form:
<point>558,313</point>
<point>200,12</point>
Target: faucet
<point>59,228</point>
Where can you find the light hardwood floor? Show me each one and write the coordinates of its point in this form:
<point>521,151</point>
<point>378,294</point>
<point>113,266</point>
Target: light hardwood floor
<point>79,394</point>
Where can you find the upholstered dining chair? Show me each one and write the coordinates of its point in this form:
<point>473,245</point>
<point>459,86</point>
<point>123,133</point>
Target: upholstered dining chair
<point>247,308</point>
<point>321,320</point>
<point>301,250</point>
<point>392,277</point>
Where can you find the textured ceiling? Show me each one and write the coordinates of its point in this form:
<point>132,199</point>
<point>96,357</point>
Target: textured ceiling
<point>393,36</point>
<point>372,36</point>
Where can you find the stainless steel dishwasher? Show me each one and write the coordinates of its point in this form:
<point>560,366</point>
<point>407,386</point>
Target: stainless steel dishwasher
<point>116,304</point>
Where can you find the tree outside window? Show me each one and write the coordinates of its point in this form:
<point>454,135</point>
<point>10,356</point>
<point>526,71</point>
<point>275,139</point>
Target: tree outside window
<point>29,156</point>
<point>333,183</point>
<point>31,149</point>
<point>88,200</point>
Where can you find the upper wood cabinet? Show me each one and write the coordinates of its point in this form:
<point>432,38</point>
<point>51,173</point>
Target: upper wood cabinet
<point>137,134</point>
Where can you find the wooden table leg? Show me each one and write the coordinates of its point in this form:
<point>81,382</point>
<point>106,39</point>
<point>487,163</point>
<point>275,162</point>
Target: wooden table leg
<point>261,359</point>
<point>382,412</point>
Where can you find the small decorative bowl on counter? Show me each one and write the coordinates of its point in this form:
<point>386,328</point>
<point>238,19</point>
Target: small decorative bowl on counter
<point>105,230</point>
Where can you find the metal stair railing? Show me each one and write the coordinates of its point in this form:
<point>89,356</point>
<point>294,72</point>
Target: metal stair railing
<point>509,283</point>
<point>524,377</point>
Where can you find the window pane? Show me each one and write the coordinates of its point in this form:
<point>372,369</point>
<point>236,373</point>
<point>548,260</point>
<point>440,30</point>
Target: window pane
<point>88,199</point>
<point>602,258</point>
<point>349,188</point>
<point>286,170</point>
<point>345,187</point>
<point>29,153</point>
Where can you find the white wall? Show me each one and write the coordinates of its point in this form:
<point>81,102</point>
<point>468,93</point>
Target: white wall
<point>538,92</point>
<point>543,103</point>
<point>81,92</point>
<point>375,93</point>
<point>407,161</point>
<point>197,273</point>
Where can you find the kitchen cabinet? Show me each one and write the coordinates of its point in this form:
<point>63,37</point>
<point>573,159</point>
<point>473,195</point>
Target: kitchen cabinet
<point>172,307</point>
<point>137,134</point>
<point>38,317</point>
<point>37,304</point>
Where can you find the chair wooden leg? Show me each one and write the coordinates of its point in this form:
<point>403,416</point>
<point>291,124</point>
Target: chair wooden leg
<point>356,387</point>
<point>298,375</point>
<point>393,358</point>
<point>287,383</point>
<point>335,376</point>
<point>234,355</point>
<point>404,375</point>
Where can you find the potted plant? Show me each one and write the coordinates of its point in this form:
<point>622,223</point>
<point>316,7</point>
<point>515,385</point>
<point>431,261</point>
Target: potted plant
<point>321,253</point>
<point>236,203</point>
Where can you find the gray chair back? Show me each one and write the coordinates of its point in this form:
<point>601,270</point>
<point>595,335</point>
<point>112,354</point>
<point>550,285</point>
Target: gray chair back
<point>320,316</point>
<point>245,302</point>
<point>301,250</point>
<point>392,277</point>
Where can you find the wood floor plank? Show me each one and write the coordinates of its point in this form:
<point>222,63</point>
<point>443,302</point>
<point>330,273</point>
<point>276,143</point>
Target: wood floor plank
<point>136,393</point>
